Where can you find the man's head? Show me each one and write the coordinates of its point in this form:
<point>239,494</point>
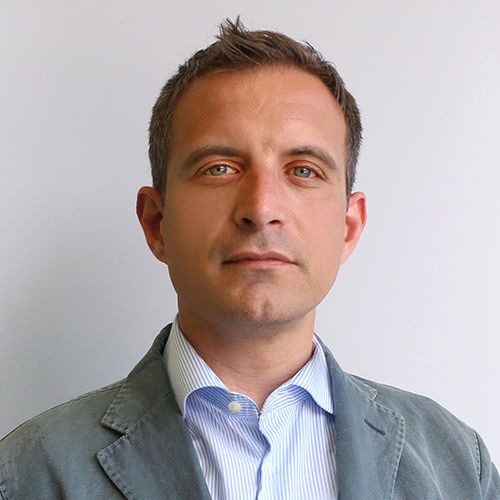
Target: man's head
<point>253,221</point>
<point>237,49</point>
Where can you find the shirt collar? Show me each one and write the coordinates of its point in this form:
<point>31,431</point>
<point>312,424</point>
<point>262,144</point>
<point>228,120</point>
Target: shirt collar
<point>314,377</point>
<point>186,369</point>
<point>188,372</point>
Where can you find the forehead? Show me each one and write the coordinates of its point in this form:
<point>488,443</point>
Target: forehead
<point>265,106</point>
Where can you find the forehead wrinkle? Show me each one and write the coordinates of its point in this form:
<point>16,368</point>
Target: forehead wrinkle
<point>262,106</point>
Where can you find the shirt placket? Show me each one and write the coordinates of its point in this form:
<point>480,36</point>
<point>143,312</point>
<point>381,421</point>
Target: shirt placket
<point>267,469</point>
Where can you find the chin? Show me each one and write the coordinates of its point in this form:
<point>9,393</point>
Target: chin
<point>257,314</point>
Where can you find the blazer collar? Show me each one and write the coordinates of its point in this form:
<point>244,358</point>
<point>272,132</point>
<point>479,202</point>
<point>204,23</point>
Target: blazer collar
<point>154,457</point>
<point>369,438</point>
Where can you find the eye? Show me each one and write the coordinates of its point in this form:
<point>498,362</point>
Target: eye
<point>219,170</point>
<point>304,172</point>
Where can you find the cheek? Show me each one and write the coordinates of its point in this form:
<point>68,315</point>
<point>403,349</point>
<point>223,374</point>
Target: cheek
<point>327,243</point>
<point>188,227</point>
<point>329,231</point>
<point>176,228</point>
<point>182,239</point>
<point>180,234</point>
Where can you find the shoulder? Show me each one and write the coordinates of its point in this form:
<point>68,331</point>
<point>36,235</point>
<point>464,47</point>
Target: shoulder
<point>82,412</point>
<point>409,404</point>
<point>64,437</point>
<point>436,442</point>
<point>423,416</point>
<point>56,451</point>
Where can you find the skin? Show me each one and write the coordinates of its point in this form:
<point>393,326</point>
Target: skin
<point>255,222</point>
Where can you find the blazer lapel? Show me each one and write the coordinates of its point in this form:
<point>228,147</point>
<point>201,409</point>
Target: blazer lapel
<point>369,438</point>
<point>154,457</point>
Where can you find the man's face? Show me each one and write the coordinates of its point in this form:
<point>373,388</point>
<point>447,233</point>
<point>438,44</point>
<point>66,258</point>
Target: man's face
<point>254,220</point>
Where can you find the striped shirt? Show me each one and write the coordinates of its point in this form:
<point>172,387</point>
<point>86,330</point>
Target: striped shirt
<point>287,451</point>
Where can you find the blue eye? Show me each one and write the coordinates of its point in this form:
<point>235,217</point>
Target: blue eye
<point>304,172</point>
<point>218,170</point>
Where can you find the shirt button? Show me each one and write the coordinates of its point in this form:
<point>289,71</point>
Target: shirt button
<point>234,406</point>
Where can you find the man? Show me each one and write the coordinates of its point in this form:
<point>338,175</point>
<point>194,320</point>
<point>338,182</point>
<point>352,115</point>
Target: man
<point>253,146</point>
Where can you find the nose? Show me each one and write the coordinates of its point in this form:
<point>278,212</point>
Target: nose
<point>261,201</point>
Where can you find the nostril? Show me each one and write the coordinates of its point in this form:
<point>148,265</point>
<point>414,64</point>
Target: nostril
<point>246,221</point>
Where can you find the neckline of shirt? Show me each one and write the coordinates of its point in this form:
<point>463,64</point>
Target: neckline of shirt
<point>190,376</point>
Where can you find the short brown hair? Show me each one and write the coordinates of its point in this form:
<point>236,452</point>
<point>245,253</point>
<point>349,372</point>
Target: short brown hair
<point>239,48</point>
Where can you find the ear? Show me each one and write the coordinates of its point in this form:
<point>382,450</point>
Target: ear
<point>355,221</point>
<point>150,212</point>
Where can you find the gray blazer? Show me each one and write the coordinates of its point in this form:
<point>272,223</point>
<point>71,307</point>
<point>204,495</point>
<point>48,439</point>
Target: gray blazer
<point>128,440</point>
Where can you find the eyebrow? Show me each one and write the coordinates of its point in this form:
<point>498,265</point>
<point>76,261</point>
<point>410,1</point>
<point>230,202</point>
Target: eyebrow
<point>317,153</point>
<point>211,149</point>
<point>217,150</point>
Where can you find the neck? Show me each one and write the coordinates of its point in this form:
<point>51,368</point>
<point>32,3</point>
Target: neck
<point>251,359</point>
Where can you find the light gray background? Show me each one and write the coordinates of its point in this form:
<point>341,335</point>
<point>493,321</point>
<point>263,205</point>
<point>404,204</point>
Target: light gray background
<point>81,298</point>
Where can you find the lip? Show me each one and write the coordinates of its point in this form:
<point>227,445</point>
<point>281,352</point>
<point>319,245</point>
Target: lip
<point>256,259</point>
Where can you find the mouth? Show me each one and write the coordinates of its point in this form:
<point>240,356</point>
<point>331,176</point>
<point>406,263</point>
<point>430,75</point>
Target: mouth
<point>259,260</point>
